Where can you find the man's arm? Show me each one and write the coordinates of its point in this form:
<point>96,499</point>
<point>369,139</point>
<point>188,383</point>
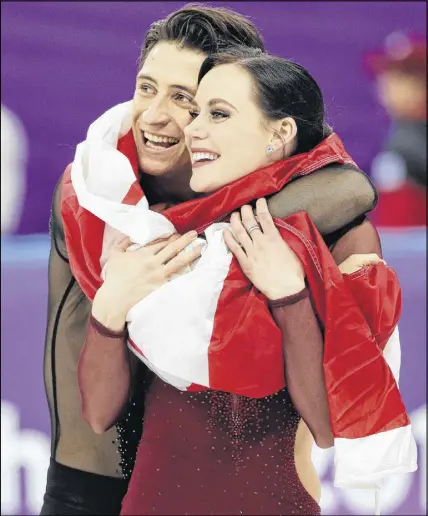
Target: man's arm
<point>332,196</point>
<point>74,444</point>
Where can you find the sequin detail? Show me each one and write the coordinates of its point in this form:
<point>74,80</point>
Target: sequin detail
<point>214,453</point>
<point>129,429</point>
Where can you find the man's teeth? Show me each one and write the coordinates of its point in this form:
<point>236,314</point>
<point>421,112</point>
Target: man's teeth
<point>199,156</point>
<point>159,139</point>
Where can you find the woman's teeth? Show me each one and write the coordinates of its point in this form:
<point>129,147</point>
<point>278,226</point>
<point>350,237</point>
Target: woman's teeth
<point>203,156</point>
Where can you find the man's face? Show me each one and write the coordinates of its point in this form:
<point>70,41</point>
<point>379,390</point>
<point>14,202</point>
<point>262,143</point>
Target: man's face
<point>166,85</point>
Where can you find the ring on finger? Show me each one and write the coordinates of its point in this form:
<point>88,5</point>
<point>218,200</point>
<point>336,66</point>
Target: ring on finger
<point>253,228</point>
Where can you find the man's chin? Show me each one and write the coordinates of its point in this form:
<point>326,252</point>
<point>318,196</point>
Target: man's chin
<point>154,167</point>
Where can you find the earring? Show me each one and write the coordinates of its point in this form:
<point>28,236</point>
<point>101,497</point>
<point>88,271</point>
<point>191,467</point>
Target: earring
<point>269,149</point>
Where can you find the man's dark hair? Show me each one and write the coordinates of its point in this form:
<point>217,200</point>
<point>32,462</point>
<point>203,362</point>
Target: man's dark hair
<point>282,89</point>
<point>203,28</point>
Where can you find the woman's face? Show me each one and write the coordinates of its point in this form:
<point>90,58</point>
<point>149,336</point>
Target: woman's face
<point>228,137</point>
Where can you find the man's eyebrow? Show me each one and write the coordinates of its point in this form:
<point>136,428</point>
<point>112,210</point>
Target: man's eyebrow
<point>212,102</point>
<point>188,89</point>
<point>192,91</point>
<point>146,78</point>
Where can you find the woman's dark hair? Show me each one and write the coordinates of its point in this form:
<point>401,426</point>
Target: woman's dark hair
<point>282,89</point>
<point>203,28</point>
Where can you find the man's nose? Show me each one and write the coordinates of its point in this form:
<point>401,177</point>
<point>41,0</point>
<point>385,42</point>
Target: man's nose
<point>156,113</point>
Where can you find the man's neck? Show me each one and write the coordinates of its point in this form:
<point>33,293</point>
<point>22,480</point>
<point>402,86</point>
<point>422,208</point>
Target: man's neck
<point>173,187</point>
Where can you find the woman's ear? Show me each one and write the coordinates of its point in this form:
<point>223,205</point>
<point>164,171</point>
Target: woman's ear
<point>284,138</point>
<point>288,130</point>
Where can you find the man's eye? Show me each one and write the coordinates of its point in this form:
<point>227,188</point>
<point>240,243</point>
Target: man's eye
<point>193,114</point>
<point>146,88</point>
<point>182,98</point>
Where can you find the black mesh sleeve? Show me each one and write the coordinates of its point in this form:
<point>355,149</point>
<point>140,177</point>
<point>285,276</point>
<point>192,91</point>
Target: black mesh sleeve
<point>333,197</point>
<point>74,444</point>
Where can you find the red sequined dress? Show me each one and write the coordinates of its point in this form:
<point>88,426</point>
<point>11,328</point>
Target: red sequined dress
<point>213,452</point>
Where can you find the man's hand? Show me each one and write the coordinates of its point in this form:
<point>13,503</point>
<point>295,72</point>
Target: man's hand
<point>357,261</point>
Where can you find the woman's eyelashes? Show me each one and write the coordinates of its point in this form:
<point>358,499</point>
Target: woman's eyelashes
<point>215,114</point>
<point>218,114</point>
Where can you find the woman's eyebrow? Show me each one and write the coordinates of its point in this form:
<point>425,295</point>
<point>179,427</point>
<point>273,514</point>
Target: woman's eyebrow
<point>212,102</point>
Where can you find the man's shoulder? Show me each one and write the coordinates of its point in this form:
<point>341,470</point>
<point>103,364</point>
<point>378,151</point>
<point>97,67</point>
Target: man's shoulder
<point>65,185</point>
<point>63,191</point>
<point>341,167</point>
<point>66,175</point>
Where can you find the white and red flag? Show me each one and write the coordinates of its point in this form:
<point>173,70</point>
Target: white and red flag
<point>211,329</point>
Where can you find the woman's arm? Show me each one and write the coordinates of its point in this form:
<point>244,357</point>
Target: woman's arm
<point>106,367</point>
<point>303,341</point>
<point>263,259</point>
<point>332,196</point>
<point>104,375</point>
<point>303,354</point>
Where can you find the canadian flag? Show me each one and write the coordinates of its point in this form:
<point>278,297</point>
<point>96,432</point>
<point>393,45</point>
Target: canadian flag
<point>210,329</point>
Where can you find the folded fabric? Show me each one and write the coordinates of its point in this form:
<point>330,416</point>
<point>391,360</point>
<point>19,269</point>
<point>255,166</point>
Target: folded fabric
<point>209,328</point>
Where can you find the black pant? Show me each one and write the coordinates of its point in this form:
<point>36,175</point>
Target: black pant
<point>71,492</point>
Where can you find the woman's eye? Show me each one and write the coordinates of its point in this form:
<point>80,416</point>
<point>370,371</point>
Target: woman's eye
<point>193,114</point>
<point>219,114</point>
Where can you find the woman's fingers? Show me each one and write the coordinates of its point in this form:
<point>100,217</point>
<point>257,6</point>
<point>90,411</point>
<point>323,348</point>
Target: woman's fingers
<point>173,248</point>
<point>250,223</point>
<point>265,218</point>
<point>181,261</point>
<point>157,245</point>
<point>234,247</point>
<point>240,232</point>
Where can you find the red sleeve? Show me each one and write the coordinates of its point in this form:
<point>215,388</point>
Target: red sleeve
<point>104,376</point>
<point>376,288</point>
<point>303,339</point>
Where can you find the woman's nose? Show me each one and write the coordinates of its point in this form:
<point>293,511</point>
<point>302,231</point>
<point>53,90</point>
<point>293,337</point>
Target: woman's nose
<point>196,129</point>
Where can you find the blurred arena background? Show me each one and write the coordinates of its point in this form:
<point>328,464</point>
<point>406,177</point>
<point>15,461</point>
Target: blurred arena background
<point>63,64</point>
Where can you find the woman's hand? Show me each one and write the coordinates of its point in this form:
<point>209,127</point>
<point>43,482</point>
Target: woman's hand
<point>264,257</point>
<point>131,276</point>
<point>357,261</point>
